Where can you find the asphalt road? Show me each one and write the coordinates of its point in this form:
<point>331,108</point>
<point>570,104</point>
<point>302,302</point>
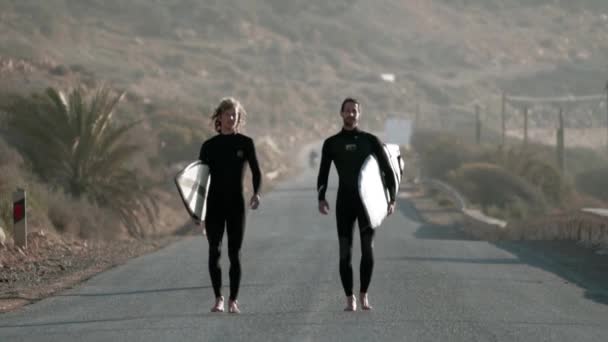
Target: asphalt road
<point>429,284</point>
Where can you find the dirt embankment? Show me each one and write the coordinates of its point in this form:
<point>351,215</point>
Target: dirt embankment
<point>52,263</point>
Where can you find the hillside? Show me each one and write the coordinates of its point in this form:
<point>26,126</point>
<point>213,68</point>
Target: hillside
<point>291,61</point>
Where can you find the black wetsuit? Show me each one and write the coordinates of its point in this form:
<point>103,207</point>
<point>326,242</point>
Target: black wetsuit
<point>226,156</point>
<point>348,150</point>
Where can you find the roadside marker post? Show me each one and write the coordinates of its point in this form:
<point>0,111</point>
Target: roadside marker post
<point>19,218</point>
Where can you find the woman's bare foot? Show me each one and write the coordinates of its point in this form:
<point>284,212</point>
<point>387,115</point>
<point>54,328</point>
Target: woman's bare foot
<point>351,303</point>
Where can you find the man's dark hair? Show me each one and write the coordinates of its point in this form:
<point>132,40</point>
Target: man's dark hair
<point>347,100</point>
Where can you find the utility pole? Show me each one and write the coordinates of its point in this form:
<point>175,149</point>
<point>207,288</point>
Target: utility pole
<point>525,125</point>
<point>560,141</point>
<point>417,115</point>
<point>477,125</point>
<point>502,115</point>
<point>606,115</point>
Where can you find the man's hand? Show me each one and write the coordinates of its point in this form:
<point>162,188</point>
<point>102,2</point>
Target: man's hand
<point>323,207</point>
<point>200,224</point>
<point>254,202</point>
<point>391,208</point>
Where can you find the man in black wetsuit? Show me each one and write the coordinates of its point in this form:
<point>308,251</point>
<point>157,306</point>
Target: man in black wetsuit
<point>348,150</point>
<point>226,154</point>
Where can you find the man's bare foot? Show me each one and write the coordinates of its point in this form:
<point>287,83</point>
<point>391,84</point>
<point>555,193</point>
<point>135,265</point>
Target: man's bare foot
<point>219,305</point>
<point>365,302</point>
<point>233,307</point>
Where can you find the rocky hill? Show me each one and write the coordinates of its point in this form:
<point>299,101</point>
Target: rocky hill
<point>293,60</point>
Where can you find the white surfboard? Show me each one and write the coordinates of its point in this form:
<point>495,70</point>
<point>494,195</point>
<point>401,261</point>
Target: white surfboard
<point>193,186</point>
<point>374,193</point>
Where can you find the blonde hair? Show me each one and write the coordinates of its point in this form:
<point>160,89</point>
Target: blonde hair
<point>226,104</point>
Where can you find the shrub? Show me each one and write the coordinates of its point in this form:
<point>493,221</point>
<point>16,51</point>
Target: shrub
<point>491,185</point>
<point>530,164</point>
<point>593,182</point>
<point>80,218</point>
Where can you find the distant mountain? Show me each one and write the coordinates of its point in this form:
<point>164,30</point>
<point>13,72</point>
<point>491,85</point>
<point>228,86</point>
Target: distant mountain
<point>299,58</point>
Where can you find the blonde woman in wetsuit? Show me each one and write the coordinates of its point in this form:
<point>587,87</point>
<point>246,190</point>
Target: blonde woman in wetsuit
<point>226,154</point>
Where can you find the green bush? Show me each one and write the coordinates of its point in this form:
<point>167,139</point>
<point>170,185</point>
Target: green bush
<point>531,164</point>
<point>541,182</point>
<point>489,185</point>
<point>593,183</point>
<point>581,159</point>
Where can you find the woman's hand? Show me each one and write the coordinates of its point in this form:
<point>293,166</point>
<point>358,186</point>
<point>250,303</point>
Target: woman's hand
<point>323,207</point>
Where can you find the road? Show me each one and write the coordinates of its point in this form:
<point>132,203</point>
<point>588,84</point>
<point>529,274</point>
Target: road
<point>430,284</point>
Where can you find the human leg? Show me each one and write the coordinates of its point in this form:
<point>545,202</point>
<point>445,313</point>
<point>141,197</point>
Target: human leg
<point>215,232</point>
<point>366,234</point>
<point>345,218</point>
<point>236,230</point>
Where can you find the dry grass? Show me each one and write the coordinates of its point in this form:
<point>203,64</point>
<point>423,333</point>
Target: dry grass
<point>80,219</point>
<point>589,229</point>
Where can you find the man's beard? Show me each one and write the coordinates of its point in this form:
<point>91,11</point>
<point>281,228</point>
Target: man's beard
<point>349,122</point>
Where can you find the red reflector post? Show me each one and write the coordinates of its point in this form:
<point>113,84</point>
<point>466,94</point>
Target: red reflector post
<point>18,211</point>
<point>19,218</point>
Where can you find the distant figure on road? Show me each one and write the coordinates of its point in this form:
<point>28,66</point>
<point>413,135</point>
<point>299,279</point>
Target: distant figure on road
<point>226,154</point>
<point>312,158</point>
<point>348,150</point>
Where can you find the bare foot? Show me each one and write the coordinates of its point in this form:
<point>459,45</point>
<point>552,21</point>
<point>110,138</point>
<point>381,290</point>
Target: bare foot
<point>233,307</point>
<point>351,303</point>
<point>219,305</point>
<point>365,302</point>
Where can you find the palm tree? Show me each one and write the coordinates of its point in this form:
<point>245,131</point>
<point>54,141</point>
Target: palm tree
<point>74,144</point>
